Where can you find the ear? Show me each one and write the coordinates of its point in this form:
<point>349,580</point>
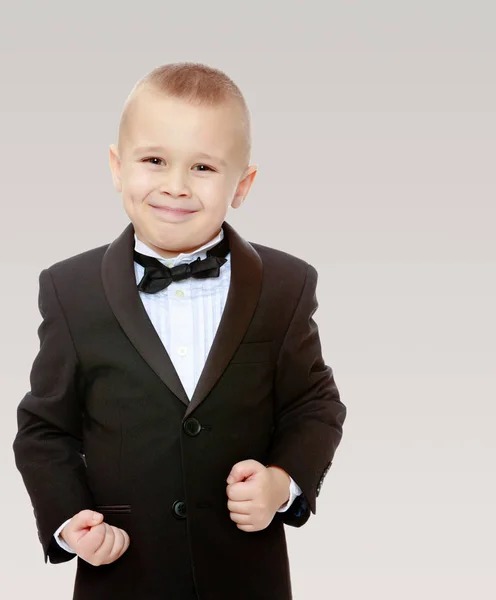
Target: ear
<point>244,186</point>
<point>115,167</point>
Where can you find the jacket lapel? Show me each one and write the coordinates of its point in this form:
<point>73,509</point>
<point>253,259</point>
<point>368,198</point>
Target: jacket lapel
<point>119,283</point>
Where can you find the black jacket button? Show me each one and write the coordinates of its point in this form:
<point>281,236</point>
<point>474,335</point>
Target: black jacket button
<point>192,426</point>
<point>179,509</point>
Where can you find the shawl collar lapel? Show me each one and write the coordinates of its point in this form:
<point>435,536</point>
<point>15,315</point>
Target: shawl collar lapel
<point>119,283</point>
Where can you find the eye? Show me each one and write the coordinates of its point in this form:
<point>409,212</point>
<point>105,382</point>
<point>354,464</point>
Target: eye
<point>151,158</point>
<point>155,158</point>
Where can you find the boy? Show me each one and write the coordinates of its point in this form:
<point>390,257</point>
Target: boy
<point>180,410</point>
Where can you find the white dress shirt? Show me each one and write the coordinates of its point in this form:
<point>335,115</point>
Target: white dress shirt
<point>186,315</point>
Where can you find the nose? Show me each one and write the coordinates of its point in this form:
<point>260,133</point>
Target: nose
<point>174,183</point>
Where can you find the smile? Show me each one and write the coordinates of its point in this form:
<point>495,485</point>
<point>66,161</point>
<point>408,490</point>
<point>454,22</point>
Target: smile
<point>170,213</point>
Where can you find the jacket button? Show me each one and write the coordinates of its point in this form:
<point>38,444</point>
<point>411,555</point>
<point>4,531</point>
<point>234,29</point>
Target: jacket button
<point>179,509</point>
<point>192,426</point>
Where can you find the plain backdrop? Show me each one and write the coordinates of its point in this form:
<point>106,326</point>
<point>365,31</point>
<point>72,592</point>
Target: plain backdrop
<point>374,129</point>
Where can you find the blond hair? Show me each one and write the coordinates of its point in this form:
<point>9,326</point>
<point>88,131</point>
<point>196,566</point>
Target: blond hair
<point>198,84</point>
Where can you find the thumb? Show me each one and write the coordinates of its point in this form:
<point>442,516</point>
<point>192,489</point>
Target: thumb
<point>86,518</point>
<point>243,470</point>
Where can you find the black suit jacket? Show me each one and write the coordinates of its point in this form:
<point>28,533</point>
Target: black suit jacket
<point>107,424</point>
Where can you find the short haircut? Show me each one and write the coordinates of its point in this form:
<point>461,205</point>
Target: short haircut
<point>198,84</point>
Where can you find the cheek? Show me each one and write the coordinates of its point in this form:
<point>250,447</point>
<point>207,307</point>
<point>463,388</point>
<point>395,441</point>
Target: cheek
<point>208,191</point>
<point>212,190</point>
<point>138,183</point>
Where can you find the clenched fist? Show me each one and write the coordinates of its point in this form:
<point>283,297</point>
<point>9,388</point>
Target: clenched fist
<point>93,540</point>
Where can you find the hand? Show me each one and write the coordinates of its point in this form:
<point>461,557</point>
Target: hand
<point>93,540</point>
<point>253,503</point>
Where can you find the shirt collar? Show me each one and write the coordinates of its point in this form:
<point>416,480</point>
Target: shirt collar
<point>183,257</point>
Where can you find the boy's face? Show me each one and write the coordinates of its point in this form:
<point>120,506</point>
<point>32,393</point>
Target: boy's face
<point>161,162</point>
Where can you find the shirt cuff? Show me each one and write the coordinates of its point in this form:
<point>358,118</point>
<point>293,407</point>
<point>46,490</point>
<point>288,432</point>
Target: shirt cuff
<point>60,541</point>
<point>294,491</point>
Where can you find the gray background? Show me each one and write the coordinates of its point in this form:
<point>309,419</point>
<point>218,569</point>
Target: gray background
<point>374,129</point>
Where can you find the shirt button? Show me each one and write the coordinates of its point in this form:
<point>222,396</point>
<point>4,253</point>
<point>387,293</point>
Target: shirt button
<point>179,293</point>
<point>169,264</point>
<point>182,350</point>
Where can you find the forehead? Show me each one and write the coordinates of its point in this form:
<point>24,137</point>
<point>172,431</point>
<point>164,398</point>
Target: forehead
<point>154,119</point>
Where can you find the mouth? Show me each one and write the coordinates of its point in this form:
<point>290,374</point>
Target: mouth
<point>172,215</point>
<point>176,211</point>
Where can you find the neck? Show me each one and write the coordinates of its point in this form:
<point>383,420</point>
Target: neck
<point>164,253</point>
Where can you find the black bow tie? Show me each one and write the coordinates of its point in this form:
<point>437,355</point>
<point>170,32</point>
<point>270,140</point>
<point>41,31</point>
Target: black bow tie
<point>157,276</point>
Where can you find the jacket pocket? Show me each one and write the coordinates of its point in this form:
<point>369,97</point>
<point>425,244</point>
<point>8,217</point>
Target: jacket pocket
<point>113,508</point>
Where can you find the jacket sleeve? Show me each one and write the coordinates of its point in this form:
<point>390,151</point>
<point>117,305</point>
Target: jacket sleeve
<point>48,444</point>
<point>309,413</point>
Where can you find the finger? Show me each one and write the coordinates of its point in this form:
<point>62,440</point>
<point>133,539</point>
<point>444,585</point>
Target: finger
<point>101,555</point>
<point>87,543</point>
<point>242,490</point>
<point>247,528</point>
<point>127,541</point>
<point>240,519</point>
<point>239,507</point>
<point>119,540</point>
<point>84,519</point>
<point>124,540</point>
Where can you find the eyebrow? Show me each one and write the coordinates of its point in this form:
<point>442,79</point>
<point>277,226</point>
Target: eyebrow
<point>145,149</point>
